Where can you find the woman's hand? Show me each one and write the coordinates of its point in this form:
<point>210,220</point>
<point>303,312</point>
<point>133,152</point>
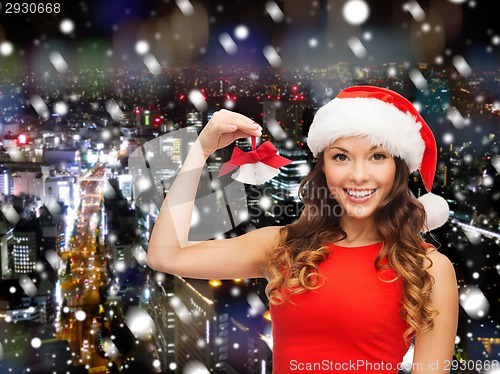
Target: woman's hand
<point>224,128</point>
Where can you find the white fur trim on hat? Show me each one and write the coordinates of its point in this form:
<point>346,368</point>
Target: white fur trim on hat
<point>382,123</point>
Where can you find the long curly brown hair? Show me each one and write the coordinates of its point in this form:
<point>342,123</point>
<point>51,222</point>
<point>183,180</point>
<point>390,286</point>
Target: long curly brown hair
<point>292,266</point>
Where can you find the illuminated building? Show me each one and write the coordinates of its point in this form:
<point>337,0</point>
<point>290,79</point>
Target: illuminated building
<point>149,119</point>
<point>27,183</point>
<point>39,308</point>
<point>6,182</point>
<point>195,327</point>
<point>53,228</point>
<point>211,322</point>
<point>284,115</point>
<point>155,300</point>
<point>25,248</point>
<point>63,159</point>
<point>6,247</point>
<point>60,188</point>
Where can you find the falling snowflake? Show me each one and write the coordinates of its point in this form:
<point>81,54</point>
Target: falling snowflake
<point>6,48</point>
<point>27,285</point>
<point>140,323</point>
<point>416,11</point>
<point>473,236</point>
<point>180,310</point>
<point>36,343</point>
<point>274,11</point>
<point>456,118</point>
<point>474,302</point>
<point>110,348</point>
<point>418,79</point>
<point>241,32</point>
<point>356,12</point>
<point>495,161</point>
<point>256,305</point>
<point>229,104</point>
<point>357,47</point>
<point>114,110</point>
<point>10,213</point>
<point>185,7</point>
<point>198,100</point>
<point>53,259</point>
<point>228,43</point>
<point>58,62</point>
<point>140,255</point>
<point>67,26</point>
<point>152,64</point>
<point>276,130</point>
<point>61,108</point>
<point>272,56</point>
<point>195,367</point>
<point>142,47</point>
<point>40,107</point>
<point>80,315</point>
<point>461,65</point>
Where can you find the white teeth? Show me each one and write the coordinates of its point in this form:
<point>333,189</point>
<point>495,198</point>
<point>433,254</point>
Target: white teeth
<point>360,194</point>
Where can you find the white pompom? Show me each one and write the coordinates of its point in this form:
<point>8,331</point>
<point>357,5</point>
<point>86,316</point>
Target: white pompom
<point>437,210</point>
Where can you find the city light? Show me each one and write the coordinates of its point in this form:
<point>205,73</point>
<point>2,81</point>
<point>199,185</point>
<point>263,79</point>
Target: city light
<point>215,283</point>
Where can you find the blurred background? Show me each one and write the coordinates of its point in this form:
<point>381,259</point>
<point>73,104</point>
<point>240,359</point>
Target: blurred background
<point>99,102</point>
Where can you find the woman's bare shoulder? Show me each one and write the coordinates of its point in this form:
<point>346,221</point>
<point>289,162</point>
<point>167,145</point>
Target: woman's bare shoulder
<point>441,264</point>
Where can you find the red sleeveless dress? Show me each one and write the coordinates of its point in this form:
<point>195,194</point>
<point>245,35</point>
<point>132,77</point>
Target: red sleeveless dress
<point>351,324</point>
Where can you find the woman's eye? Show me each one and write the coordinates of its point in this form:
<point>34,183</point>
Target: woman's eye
<point>340,157</point>
<point>379,156</point>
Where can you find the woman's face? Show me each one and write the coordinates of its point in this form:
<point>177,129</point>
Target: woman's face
<point>358,174</point>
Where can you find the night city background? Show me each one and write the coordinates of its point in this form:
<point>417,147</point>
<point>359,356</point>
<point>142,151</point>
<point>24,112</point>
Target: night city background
<point>99,102</point>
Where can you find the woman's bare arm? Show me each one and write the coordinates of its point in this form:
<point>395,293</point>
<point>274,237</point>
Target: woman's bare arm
<point>434,349</point>
<point>169,250</point>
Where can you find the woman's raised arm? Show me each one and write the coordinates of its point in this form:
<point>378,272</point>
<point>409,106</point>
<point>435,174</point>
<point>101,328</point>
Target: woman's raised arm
<point>169,250</point>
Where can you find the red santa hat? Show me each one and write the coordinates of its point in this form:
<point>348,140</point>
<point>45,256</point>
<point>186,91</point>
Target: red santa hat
<point>385,118</point>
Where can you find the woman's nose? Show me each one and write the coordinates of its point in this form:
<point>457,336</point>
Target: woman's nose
<point>359,172</point>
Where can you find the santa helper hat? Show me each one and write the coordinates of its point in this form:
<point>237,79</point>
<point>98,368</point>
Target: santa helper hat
<point>385,118</point>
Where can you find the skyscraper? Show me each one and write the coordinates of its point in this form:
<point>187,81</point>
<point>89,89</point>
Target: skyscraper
<point>26,243</point>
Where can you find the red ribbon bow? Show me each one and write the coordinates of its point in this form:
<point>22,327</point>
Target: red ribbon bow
<point>266,153</point>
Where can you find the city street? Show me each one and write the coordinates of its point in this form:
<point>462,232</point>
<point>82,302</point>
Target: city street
<point>83,271</point>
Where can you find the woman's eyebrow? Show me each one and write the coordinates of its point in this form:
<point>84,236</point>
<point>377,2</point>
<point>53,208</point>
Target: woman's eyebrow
<point>342,149</point>
<point>345,150</point>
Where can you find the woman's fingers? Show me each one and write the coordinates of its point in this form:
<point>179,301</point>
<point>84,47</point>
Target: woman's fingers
<point>242,134</point>
<point>225,127</point>
<point>242,122</point>
<point>244,128</point>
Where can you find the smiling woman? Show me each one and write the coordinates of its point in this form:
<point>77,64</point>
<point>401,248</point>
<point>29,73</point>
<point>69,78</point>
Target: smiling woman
<point>352,279</point>
<point>364,271</point>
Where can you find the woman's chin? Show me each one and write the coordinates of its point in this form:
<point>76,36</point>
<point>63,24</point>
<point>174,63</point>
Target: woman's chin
<point>359,212</point>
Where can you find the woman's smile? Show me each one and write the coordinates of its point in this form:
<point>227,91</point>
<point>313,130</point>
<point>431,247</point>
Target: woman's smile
<point>359,195</point>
